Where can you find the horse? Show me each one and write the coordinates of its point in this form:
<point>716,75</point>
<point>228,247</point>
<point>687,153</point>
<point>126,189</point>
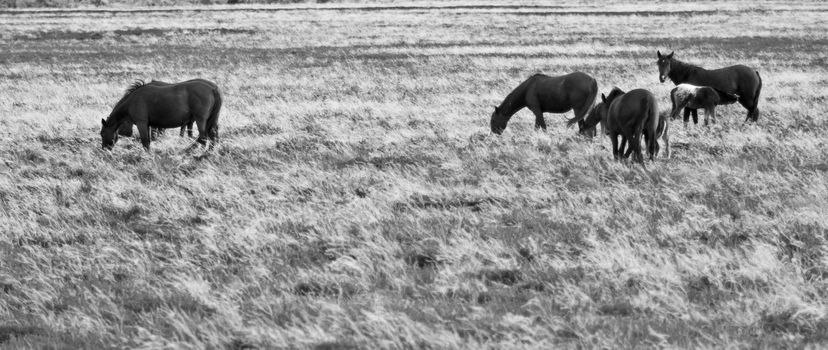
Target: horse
<point>126,128</point>
<point>599,113</point>
<point>542,93</point>
<point>738,80</point>
<point>166,106</point>
<point>691,98</point>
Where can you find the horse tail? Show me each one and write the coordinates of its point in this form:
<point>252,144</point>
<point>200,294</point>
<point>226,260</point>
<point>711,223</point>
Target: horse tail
<point>650,114</point>
<point>673,112</point>
<point>755,110</point>
<point>212,120</point>
<point>590,101</point>
<point>654,121</point>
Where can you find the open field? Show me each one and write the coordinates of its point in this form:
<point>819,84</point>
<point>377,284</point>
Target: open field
<point>359,201</point>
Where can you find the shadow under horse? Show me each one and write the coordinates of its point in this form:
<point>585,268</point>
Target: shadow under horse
<point>166,106</point>
<point>126,128</point>
<point>739,80</point>
<point>542,93</point>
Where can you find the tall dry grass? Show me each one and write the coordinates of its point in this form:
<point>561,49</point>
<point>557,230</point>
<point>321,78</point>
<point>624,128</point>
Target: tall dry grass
<point>358,199</point>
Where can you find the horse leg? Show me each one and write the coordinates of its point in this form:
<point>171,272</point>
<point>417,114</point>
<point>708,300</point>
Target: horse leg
<point>625,144</point>
<point>144,131</point>
<point>666,137</point>
<point>686,116</point>
<point>188,127</point>
<point>614,139</point>
<point>639,156</point>
<point>652,145</point>
<point>534,106</point>
<point>202,132</point>
<point>629,145</point>
<point>212,133</point>
<point>635,144</point>
<point>750,103</point>
<point>676,108</point>
<point>712,111</point>
<point>706,117</point>
<point>202,136</point>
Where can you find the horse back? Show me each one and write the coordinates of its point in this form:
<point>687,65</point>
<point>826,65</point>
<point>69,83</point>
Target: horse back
<point>738,79</point>
<point>171,105</point>
<point>559,94</point>
<point>633,109</point>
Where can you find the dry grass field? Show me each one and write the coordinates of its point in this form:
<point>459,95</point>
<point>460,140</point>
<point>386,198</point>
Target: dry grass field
<point>359,201</point>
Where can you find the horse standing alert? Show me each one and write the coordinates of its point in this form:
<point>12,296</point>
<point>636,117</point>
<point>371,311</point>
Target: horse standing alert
<point>738,80</point>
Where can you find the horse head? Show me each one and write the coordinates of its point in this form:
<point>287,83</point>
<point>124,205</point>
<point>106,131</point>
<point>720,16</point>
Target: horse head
<point>597,114</point>
<point>664,63</point>
<point>498,121</point>
<point>109,135</point>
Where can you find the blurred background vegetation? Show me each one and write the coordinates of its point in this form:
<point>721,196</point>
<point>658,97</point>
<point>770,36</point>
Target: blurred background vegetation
<point>82,3</point>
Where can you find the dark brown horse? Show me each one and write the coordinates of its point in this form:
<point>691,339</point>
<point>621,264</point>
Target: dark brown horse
<point>598,115</point>
<point>166,106</point>
<point>126,128</point>
<point>738,80</point>
<point>541,93</point>
<point>630,115</point>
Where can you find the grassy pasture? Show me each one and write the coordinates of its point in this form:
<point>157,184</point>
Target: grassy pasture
<point>358,199</point>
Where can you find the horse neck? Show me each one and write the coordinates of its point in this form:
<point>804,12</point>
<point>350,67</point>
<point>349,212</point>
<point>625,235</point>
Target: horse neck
<point>681,72</point>
<point>118,113</point>
<point>516,99</point>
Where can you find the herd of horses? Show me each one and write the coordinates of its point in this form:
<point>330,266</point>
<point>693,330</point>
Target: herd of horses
<point>632,114</point>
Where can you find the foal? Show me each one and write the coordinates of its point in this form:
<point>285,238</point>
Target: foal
<point>692,97</point>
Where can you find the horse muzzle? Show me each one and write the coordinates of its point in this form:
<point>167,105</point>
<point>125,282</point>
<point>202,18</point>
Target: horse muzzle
<point>662,78</point>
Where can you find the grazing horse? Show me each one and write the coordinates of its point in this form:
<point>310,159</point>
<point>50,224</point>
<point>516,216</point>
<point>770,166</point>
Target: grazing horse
<point>541,93</point>
<point>599,114</point>
<point>691,98</point>
<point>126,128</point>
<point>166,106</point>
<point>738,80</point>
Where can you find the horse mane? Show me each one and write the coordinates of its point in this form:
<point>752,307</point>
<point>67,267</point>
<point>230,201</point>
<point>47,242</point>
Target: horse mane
<point>515,95</point>
<point>615,92</point>
<point>135,86</point>
<point>132,88</point>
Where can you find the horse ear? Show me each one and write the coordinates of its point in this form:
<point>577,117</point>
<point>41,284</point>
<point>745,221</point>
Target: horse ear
<point>671,55</point>
<point>103,122</point>
<point>659,54</point>
<point>603,98</point>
